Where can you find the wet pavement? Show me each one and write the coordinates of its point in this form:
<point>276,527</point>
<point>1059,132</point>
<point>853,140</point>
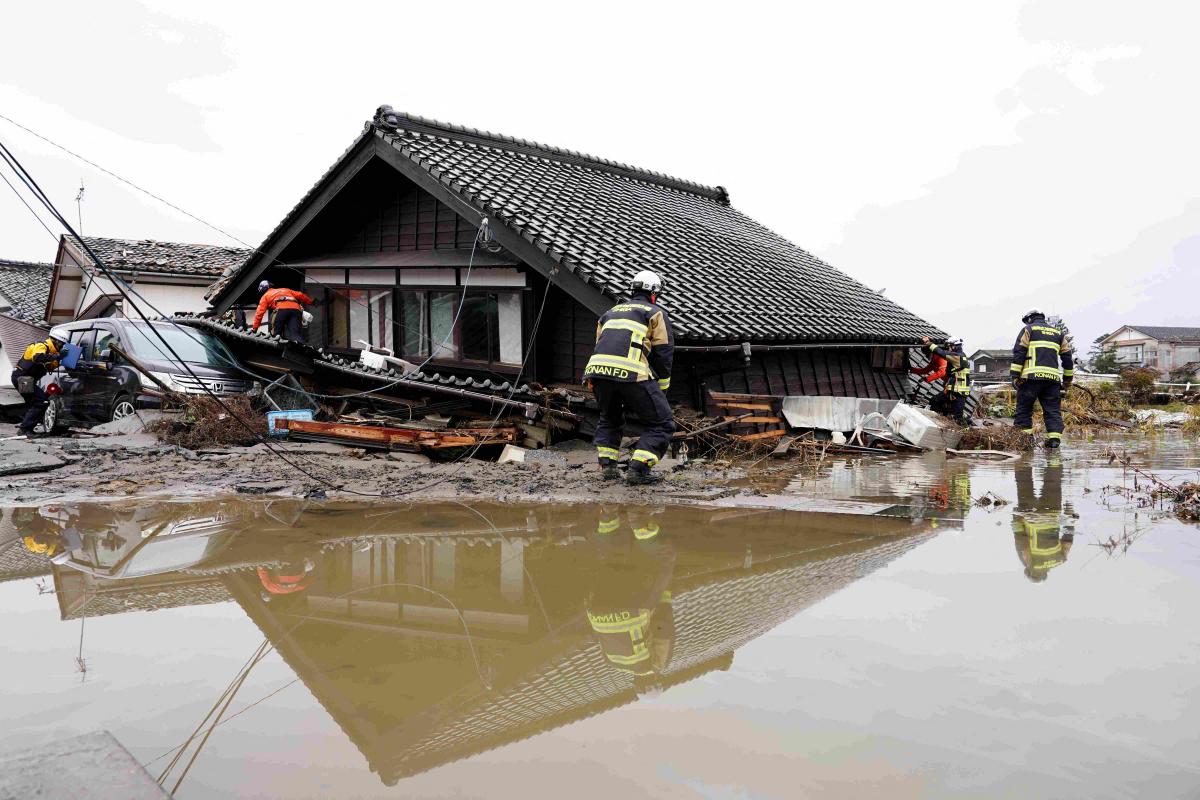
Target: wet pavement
<point>934,647</point>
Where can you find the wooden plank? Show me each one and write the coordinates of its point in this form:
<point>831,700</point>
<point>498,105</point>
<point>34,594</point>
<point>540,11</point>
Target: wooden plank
<point>762,420</point>
<point>746,406</point>
<point>752,437</point>
<point>390,438</point>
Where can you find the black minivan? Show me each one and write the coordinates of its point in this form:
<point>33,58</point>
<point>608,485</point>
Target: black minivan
<point>103,386</point>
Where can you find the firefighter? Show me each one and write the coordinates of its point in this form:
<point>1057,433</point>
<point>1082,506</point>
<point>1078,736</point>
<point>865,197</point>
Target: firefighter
<point>1043,528</point>
<point>291,577</point>
<point>1039,350</point>
<point>629,605</point>
<point>933,371</point>
<point>952,401</point>
<point>287,307</point>
<point>38,359</point>
<point>630,372</point>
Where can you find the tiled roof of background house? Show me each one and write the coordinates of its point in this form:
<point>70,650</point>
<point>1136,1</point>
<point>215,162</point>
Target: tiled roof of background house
<point>1168,334</point>
<point>993,353</point>
<point>728,278</point>
<point>148,255</point>
<point>26,286</point>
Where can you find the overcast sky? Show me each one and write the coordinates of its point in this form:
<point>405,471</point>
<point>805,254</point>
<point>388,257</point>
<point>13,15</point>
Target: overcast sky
<point>972,159</point>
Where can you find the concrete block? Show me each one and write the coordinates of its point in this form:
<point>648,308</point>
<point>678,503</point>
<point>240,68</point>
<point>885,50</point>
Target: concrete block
<point>512,454</point>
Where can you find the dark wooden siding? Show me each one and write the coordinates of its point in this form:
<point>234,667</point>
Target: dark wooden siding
<point>382,211</point>
<point>838,372</point>
<point>566,339</point>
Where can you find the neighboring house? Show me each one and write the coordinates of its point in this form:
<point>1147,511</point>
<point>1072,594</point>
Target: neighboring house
<point>1162,348</point>
<point>387,237</point>
<point>989,364</point>
<point>24,289</point>
<point>171,276</point>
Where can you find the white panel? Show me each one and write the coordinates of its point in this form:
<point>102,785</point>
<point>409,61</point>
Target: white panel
<point>428,277</point>
<point>509,311</point>
<point>495,277</point>
<point>373,277</point>
<point>336,277</point>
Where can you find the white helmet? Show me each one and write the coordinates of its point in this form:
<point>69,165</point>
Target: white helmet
<point>646,281</point>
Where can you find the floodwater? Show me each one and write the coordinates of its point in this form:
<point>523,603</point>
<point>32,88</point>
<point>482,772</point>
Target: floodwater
<point>932,648</point>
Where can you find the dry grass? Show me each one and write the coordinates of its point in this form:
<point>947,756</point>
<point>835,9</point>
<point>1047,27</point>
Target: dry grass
<point>997,437</point>
<point>205,423</point>
<point>1192,426</point>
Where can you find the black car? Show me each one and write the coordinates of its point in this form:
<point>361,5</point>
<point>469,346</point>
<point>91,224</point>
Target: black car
<point>103,386</point>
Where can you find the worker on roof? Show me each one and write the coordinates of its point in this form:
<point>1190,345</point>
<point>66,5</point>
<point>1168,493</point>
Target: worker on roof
<point>629,606</point>
<point>1039,351</point>
<point>630,372</point>
<point>952,400</point>
<point>287,311</point>
<point>1043,527</point>
<point>291,577</point>
<point>38,359</point>
<point>934,369</point>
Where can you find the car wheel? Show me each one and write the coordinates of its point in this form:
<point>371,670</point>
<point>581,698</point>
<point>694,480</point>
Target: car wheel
<point>122,407</point>
<point>52,417</point>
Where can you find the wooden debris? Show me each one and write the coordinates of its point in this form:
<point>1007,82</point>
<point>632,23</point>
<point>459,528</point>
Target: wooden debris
<point>384,437</point>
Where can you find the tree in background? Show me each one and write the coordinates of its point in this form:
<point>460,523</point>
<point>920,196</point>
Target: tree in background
<point>1101,359</point>
<point>1138,382</point>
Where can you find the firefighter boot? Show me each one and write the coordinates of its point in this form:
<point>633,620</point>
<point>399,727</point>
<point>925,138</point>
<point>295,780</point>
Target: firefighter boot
<point>608,469</point>
<point>640,475</point>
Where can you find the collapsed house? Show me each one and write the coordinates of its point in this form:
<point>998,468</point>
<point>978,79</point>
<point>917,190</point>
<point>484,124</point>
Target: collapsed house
<point>483,258</point>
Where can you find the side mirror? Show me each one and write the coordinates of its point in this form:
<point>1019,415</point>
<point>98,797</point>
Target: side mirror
<point>107,355</point>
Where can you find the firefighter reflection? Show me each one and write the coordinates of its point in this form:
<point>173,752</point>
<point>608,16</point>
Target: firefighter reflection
<point>1043,526</point>
<point>290,578</point>
<point>951,496</point>
<point>629,605</point>
<point>43,536</point>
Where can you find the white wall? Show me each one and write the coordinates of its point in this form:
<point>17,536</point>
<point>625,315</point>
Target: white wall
<point>166,298</point>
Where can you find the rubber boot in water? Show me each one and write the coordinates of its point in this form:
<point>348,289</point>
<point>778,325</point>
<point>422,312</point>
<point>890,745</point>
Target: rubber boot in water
<point>608,469</point>
<point>1052,444</point>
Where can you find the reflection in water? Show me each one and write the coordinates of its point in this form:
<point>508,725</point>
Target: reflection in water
<point>1043,526</point>
<point>431,633</point>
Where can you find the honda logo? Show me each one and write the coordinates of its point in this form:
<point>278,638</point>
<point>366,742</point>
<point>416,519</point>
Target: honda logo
<point>218,387</point>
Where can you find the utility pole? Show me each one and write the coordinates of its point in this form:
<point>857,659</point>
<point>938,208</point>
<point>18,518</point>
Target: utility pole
<point>79,206</point>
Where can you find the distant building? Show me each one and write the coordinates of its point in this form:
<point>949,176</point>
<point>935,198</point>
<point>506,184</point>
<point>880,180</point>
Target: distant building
<point>988,364</point>
<point>24,289</point>
<point>1160,348</point>
<point>171,276</point>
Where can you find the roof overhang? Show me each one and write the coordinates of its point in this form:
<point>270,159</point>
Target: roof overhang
<point>370,146</point>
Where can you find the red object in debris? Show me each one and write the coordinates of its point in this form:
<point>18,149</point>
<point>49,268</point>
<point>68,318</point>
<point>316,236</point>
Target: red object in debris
<point>53,389</point>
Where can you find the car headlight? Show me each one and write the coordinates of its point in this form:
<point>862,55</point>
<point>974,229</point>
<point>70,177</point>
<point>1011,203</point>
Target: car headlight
<point>168,380</point>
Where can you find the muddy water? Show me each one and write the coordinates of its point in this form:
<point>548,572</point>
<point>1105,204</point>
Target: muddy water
<point>932,647</point>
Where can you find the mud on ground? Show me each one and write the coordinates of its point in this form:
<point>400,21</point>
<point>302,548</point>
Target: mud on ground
<point>140,465</point>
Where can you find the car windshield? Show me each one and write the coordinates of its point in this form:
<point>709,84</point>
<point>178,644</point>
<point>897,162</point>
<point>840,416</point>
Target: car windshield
<point>192,346</point>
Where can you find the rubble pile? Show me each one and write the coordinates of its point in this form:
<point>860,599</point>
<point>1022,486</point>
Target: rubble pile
<point>206,423</point>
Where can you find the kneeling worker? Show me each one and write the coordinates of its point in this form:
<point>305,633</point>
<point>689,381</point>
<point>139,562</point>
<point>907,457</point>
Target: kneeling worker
<point>631,371</point>
<point>952,402</point>
<point>38,359</point>
<point>288,311</point>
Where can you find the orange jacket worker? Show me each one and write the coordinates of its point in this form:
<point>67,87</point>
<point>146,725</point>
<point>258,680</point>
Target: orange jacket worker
<point>286,303</point>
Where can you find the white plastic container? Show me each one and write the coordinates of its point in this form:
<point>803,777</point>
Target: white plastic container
<point>924,428</point>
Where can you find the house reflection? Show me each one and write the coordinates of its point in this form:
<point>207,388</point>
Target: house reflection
<point>431,633</point>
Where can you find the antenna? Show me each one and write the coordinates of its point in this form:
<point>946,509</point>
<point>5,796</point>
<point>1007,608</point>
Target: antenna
<point>79,205</point>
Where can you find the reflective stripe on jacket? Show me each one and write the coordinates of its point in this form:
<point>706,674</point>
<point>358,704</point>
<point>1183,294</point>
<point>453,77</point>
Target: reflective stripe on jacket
<point>1039,350</point>
<point>634,342</point>
<point>958,368</point>
<point>274,299</point>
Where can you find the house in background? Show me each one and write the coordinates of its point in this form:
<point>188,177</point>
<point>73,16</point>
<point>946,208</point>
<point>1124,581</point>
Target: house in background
<point>173,277</point>
<point>990,364</point>
<point>24,289</point>
<point>1164,349</point>
<point>392,237</point>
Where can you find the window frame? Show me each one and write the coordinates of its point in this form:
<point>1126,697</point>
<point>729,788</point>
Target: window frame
<point>398,323</point>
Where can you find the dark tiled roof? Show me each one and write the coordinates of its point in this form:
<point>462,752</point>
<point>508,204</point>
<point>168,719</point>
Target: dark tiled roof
<point>728,277</point>
<point>335,363</point>
<point>17,563</point>
<point>26,286</point>
<point>1168,334</point>
<point>147,255</point>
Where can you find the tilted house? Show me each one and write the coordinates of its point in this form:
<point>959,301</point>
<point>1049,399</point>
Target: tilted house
<point>171,276</point>
<point>389,237</point>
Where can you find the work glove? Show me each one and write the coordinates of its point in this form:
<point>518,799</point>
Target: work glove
<point>1016,382</point>
<point>1066,388</point>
